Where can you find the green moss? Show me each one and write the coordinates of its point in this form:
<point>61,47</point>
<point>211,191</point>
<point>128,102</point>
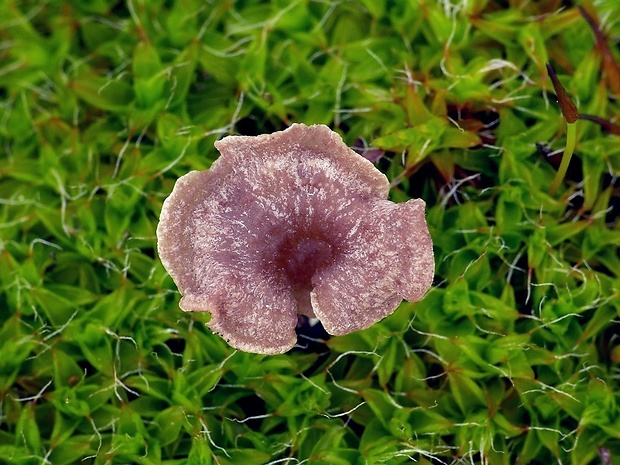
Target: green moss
<point>511,358</point>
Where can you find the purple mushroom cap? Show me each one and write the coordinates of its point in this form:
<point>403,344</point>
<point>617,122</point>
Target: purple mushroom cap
<point>292,223</point>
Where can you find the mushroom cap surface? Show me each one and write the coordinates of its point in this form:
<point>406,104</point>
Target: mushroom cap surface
<point>292,223</point>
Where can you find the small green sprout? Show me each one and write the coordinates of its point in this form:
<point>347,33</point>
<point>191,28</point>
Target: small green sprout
<point>571,115</point>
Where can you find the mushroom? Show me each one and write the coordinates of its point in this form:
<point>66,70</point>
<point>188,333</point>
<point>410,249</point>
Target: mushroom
<point>286,224</point>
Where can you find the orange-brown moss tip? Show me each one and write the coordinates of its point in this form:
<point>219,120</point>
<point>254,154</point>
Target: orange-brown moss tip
<point>568,108</point>
<point>292,223</point>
